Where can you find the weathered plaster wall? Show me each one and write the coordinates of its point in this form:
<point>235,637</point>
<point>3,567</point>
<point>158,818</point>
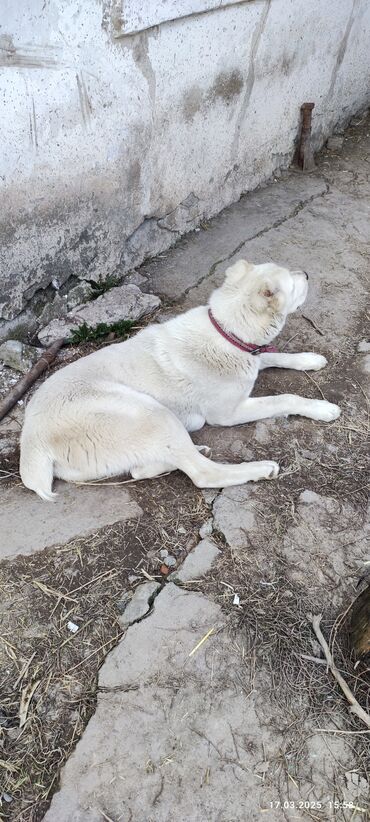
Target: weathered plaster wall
<point>117,138</point>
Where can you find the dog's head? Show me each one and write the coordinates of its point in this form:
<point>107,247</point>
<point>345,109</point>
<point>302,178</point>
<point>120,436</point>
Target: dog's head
<point>259,298</point>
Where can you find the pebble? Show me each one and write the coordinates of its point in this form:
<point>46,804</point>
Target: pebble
<point>206,529</point>
<point>363,347</point>
<point>335,143</point>
<point>15,354</point>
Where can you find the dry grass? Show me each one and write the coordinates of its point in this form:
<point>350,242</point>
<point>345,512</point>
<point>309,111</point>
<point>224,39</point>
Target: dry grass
<point>48,674</point>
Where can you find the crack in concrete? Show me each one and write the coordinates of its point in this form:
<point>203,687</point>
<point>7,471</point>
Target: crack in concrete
<point>341,51</point>
<point>256,39</point>
<point>297,209</point>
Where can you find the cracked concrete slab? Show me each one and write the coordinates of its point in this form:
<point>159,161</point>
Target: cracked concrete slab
<point>27,524</point>
<point>196,256</point>
<point>139,605</point>
<point>183,739</point>
<point>198,562</point>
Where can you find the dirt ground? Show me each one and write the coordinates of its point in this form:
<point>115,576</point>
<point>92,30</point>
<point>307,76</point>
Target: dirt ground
<point>289,549</point>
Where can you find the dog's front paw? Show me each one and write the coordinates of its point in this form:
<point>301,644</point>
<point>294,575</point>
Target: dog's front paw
<point>323,410</point>
<point>312,362</point>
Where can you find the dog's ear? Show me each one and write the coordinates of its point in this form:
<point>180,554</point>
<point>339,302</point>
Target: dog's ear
<point>271,295</point>
<point>268,291</point>
<point>235,272</point>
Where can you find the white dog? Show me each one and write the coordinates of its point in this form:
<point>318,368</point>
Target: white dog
<point>128,407</point>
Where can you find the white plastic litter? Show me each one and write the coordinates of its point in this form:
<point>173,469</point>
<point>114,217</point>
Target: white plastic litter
<point>72,627</point>
<point>236,600</point>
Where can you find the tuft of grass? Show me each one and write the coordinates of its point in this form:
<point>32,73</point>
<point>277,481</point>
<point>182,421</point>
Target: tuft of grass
<point>88,333</point>
<point>102,286</point>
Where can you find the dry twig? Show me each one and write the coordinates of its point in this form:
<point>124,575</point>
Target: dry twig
<point>355,706</point>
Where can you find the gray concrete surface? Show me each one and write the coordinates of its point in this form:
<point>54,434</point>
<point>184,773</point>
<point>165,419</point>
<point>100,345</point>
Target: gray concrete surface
<point>198,562</point>
<point>184,742</point>
<point>27,524</point>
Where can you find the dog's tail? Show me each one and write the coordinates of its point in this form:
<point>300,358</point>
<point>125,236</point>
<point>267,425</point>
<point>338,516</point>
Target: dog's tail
<point>36,467</point>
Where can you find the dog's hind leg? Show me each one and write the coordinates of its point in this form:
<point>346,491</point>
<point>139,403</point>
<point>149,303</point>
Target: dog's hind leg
<point>167,446</point>
<point>152,469</point>
<point>205,473</point>
<point>36,469</point>
<point>208,474</point>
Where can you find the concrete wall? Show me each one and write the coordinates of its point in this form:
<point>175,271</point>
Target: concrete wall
<point>125,122</point>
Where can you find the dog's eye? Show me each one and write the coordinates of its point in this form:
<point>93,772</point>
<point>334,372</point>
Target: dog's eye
<point>268,293</point>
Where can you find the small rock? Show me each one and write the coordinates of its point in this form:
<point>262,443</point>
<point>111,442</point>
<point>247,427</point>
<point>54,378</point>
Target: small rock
<point>139,604</point>
<point>170,561</point>
<point>79,294</point>
<point>363,347</point>
<point>126,302</point>
<point>53,310</point>
<point>206,529</point>
<point>134,278</point>
<point>198,563</point>
<point>122,603</point>
<point>163,553</point>
<point>181,530</point>
<point>335,143</point>
<point>209,495</point>
<point>57,329</point>
<point>19,356</point>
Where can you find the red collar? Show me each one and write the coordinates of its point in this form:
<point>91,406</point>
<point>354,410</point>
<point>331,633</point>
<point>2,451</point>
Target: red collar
<point>243,346</point>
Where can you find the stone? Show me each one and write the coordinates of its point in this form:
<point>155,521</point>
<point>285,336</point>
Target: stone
<point>363,347</point>
<point>135,278</point>
<point>54,309</point>
<point>125,302</point>
<point>365,365</point>
<point>123,602</point>
<point>139,604</point>
<point>206,529</point>
<point>335,143</point>
<point>79,294</point>
<point>56,329</point>
<point>198,562</point>
<point>18,355</point>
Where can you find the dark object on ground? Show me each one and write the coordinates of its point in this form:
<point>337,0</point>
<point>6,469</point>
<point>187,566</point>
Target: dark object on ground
<point>25,382</point>
<point>305,158</point>
<point>360,624</point>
